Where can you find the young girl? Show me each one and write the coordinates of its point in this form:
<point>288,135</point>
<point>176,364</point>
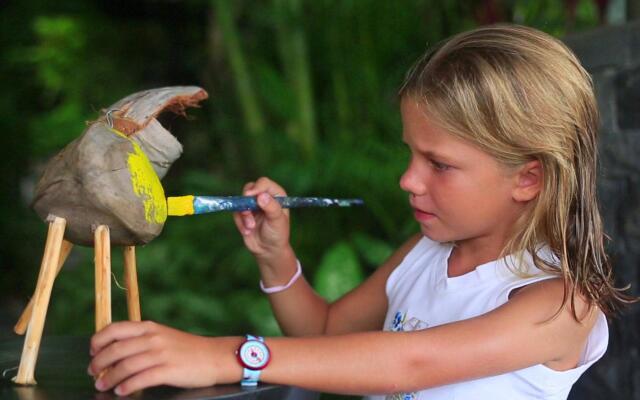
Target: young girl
<point>503,294</point>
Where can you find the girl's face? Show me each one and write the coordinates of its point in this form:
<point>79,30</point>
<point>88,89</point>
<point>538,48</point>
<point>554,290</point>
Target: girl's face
<point>457,191</point>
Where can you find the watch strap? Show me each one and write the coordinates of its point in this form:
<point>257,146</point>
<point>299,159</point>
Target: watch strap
<point>250,377</point>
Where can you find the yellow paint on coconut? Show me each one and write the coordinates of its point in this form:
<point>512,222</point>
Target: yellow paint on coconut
<point>146,183</point>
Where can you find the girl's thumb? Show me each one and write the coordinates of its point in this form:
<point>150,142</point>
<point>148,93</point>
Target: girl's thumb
<point>269,206</point>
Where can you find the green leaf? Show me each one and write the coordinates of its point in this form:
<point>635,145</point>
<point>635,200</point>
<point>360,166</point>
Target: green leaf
<point>338,273</point>
<point>373,250</point>
<point>251,312</point>
<point>60,41</point>
<point>53,130</point>
<point>262,318</point>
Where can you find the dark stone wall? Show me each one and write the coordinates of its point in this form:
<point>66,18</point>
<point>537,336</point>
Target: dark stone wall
<point>612,56</point>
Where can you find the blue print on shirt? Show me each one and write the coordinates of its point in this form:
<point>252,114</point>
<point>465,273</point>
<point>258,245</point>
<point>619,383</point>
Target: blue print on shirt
<point>396,325</point>
<point>400,323</point>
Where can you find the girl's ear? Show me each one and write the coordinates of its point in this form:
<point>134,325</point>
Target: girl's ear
<point>529,179</point>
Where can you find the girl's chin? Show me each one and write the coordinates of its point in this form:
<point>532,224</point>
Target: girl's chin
<point>434,235</point>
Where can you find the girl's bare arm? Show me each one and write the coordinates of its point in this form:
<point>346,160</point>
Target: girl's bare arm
<point>300,311</point>
<point>519,334</point>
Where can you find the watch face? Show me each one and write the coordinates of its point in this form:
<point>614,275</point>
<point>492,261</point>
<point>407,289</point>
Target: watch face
<point>254,354</point>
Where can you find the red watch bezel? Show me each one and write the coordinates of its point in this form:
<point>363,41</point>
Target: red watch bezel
<point>244,364</point>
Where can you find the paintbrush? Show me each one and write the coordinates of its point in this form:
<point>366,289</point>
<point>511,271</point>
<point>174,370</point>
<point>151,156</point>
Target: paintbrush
<point>191,205</point>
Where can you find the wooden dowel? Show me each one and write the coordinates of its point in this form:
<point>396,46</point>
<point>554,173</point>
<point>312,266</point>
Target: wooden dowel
<point>102,248</point>
<point>21,326</point>
<point>42,295</point>
<point>131,282</point>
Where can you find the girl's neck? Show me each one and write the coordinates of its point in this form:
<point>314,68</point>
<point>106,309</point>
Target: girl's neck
<point>468,254</point>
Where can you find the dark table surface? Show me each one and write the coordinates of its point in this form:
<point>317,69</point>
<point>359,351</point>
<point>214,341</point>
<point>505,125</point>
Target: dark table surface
<point>61,373</point>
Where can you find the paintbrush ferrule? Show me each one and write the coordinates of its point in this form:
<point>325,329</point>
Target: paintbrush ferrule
<point>180,205</point>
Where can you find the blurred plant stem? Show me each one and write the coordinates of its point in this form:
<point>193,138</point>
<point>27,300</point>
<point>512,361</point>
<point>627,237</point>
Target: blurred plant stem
<point>293,53</point>
<point>242,79</point>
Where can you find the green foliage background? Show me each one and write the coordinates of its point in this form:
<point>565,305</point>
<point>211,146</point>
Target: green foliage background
<point>301,91</point>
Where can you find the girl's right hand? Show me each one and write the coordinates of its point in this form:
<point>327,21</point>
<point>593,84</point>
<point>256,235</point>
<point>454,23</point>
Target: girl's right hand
<point>265,232</point>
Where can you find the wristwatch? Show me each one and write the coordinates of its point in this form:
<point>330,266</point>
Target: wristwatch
<point>253,355</point>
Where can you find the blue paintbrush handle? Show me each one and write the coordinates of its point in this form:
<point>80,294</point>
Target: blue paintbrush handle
<point>207,204</point>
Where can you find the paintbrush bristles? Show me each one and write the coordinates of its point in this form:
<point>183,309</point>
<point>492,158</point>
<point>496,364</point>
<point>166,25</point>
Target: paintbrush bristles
<point>179,206</point>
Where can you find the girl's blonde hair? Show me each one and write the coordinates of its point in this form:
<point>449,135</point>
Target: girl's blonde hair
<point>521,95</point>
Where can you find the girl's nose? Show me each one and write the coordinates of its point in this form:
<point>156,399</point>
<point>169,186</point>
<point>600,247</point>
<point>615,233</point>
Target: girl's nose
<point>412,182</point>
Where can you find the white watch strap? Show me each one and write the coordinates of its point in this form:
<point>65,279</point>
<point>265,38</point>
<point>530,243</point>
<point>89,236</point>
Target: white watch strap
<point>250,377</point>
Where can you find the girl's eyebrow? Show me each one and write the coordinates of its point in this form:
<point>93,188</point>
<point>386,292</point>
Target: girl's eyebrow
<point>437,156</point>
<point>429,153</point>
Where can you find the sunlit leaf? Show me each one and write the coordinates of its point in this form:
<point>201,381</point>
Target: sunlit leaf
<point>339,272</point>
<point>373,250</point>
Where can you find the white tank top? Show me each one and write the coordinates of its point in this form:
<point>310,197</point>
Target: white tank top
<point>421,295</point>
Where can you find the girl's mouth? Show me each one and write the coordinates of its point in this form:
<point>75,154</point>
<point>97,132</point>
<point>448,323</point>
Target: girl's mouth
<point>423,216</point>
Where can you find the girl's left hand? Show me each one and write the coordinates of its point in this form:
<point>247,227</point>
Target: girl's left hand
<point>134,355</point>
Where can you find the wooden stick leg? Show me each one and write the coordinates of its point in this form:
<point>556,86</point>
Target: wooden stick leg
<point>102,244</point>
<point>46,277</point>
<point>21,326</point>
<point>131,282</point>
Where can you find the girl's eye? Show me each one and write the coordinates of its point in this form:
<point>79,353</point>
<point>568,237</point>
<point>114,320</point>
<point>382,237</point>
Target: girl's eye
<point>439,166</point>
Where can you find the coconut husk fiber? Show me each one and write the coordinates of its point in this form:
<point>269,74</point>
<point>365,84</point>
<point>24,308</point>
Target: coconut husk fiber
<point>110,175</point>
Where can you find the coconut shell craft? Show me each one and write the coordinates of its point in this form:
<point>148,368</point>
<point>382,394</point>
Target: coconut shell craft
<point>110,175</point>
<point>101,189</point>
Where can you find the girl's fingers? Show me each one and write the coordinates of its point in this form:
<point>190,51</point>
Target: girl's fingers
<point>117,331</point>
<point>130,366</point>
<point>153,376</point>
<point>247,187</point>
<point>237,218</point>
<point>269,206</point>
<point>245,221</point>
<point>266,185</point>
<point>248,220</point>
<point>257,187</point>
<point>118,351</point>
